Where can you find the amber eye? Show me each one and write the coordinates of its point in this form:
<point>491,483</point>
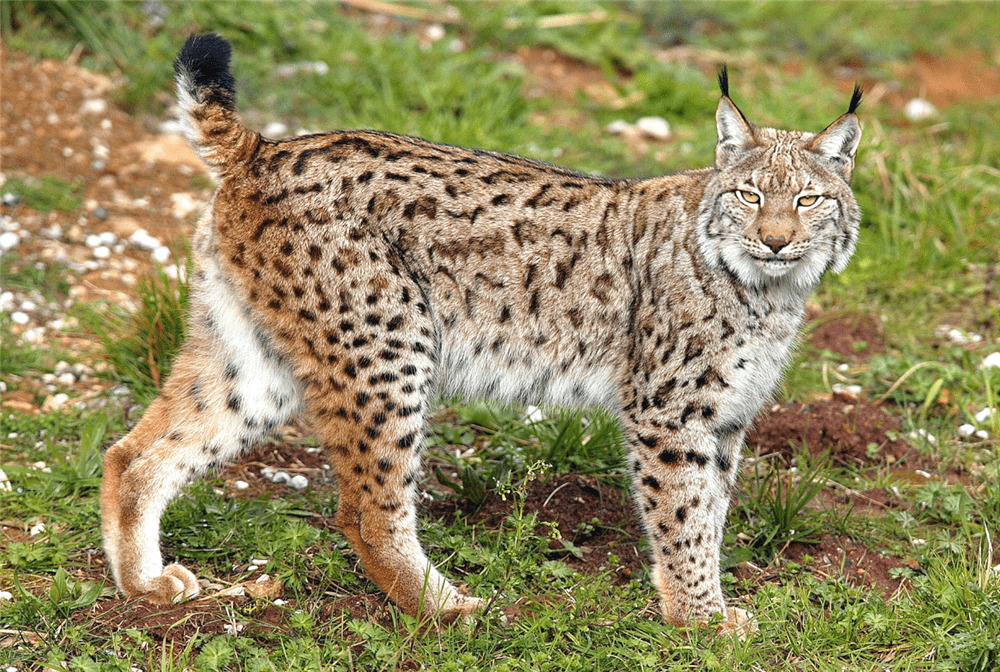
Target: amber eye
<point>748,197</point>
<point>807,201</point>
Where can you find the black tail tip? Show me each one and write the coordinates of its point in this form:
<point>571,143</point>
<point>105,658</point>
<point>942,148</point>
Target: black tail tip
<point>724,80</point>
<point>855,98</point>
<point>205,59</point>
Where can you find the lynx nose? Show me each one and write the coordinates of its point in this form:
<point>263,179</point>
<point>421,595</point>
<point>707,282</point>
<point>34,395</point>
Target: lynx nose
<point>776,244</point>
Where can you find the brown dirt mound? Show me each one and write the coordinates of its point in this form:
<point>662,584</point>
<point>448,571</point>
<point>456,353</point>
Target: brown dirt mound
<point>573,503</point>
<point>850,335</point>
<point>181,621</point>
<point>854,434</point>
<point>841,557</point>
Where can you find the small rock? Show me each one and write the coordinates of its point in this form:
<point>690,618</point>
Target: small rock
<point>618,127</point>
<point>4,481</point>
<point>984,414</point>
<point>143,240</point>
<point>107,238</point>
<point>298,482</point>
<point>100,213</point>
<point>9,240</point>
<point>258,562</point>
<point>92,241</point>
<point>106,124</point>
<point>29,306</point>
<point>848,393</point>
<point>241,485</point>
<point>280,477</point>
<point>966,430</point>
<point>54,402</point>
<point>992,361</point>
<point>275,129</point>
<point>534,414</point>
<point>19,318</point>
<point>161,254</point>
<point>66,379</point>
<point>982,434</point>
<point>37,529</point>
<point>5,596</point>
<point>102,252</point>
<point>921,433</point>
<point>655,128</point>
<point>278,602</point>
<point>236,591</point>
<point>94,106</point>
<point>7,301</point>
<point>10,199</point>
<point>434,32</point>
<point>919,109</point>
<point>182,205</point>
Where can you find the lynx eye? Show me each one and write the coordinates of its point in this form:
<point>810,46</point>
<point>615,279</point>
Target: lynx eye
<point>748,197</point>
<point>808,201</point>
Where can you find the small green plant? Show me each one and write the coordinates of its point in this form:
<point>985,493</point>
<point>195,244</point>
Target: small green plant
<point>777,502</point>
<point>47,193</point>
<point>141,345</point>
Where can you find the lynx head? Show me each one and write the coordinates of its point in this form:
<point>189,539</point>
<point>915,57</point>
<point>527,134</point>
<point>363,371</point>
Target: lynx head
<point>779,208</point>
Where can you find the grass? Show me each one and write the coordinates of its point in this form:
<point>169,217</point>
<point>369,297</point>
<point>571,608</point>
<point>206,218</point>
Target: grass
<point>925,259</point>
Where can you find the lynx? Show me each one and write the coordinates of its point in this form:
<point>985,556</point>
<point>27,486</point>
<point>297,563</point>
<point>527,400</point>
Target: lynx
<point>350,276</point>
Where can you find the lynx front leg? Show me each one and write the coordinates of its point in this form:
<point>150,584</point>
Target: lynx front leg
<point>683,495</point>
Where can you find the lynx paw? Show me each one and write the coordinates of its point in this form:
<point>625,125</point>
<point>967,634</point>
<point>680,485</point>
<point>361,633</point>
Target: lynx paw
<point>460,608</point>
<point>175,584</point>
<point>738,622</point>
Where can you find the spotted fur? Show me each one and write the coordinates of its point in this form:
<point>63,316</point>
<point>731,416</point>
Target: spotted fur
<point>348,276</point>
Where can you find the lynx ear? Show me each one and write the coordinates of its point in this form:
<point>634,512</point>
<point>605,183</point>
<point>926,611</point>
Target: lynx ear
<point>838,143</point>
<point>736,134</point>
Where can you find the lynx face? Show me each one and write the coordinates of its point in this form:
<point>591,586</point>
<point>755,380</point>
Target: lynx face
<point>781,206</point>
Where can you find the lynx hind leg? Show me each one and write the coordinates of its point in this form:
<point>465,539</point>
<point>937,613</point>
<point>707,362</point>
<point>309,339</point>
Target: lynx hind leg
<point>367,398</point>
<point>225,393</point>
<point>682,489</point>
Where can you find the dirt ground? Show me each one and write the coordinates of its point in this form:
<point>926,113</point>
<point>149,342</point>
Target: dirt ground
<point>57,119</point>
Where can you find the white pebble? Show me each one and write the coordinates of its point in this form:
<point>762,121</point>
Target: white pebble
<point>280,477</point>
<point>982,434</point>
<point>94,106</point>
<point>923,433</point>
<point>275,129</point>
<point>4,481</point>
<point>966,430</point>
<point>983,415</point>
<point>106,124</point>
<point>9,240</point>
<point>102,252</point>
<point>37,529</point>
<point>170,126</point>
<point>6,301</point>
<point>4,595</point>
<point>618,127</point>
<point>957,336</point>
<point>843,367</point>
<point>918,542</point>
<point>278,602</point>
<point>992,361</point>
<point>161,254</point>
<point>234,590</point>
<point>921,472</point>
<point>656,128</point>
<point>66,379</point>
<point>434,32</point>
<point>848,392</point>
<point>28,305</point>
<point>107,237</point>
<point>259,562</point>
<point>67,152</point>
<point>919,109</point>
<point>19,318</point>
<point>262,578</point>
<point>143,240</point>
<point>93,240</point>
<point>299,482</point>
<point>241,485</point>
<point>534,414</point>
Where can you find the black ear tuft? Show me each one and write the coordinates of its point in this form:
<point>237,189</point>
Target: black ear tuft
<point>724,81</point>
<point>855,98</point>
<point>205,59</point>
